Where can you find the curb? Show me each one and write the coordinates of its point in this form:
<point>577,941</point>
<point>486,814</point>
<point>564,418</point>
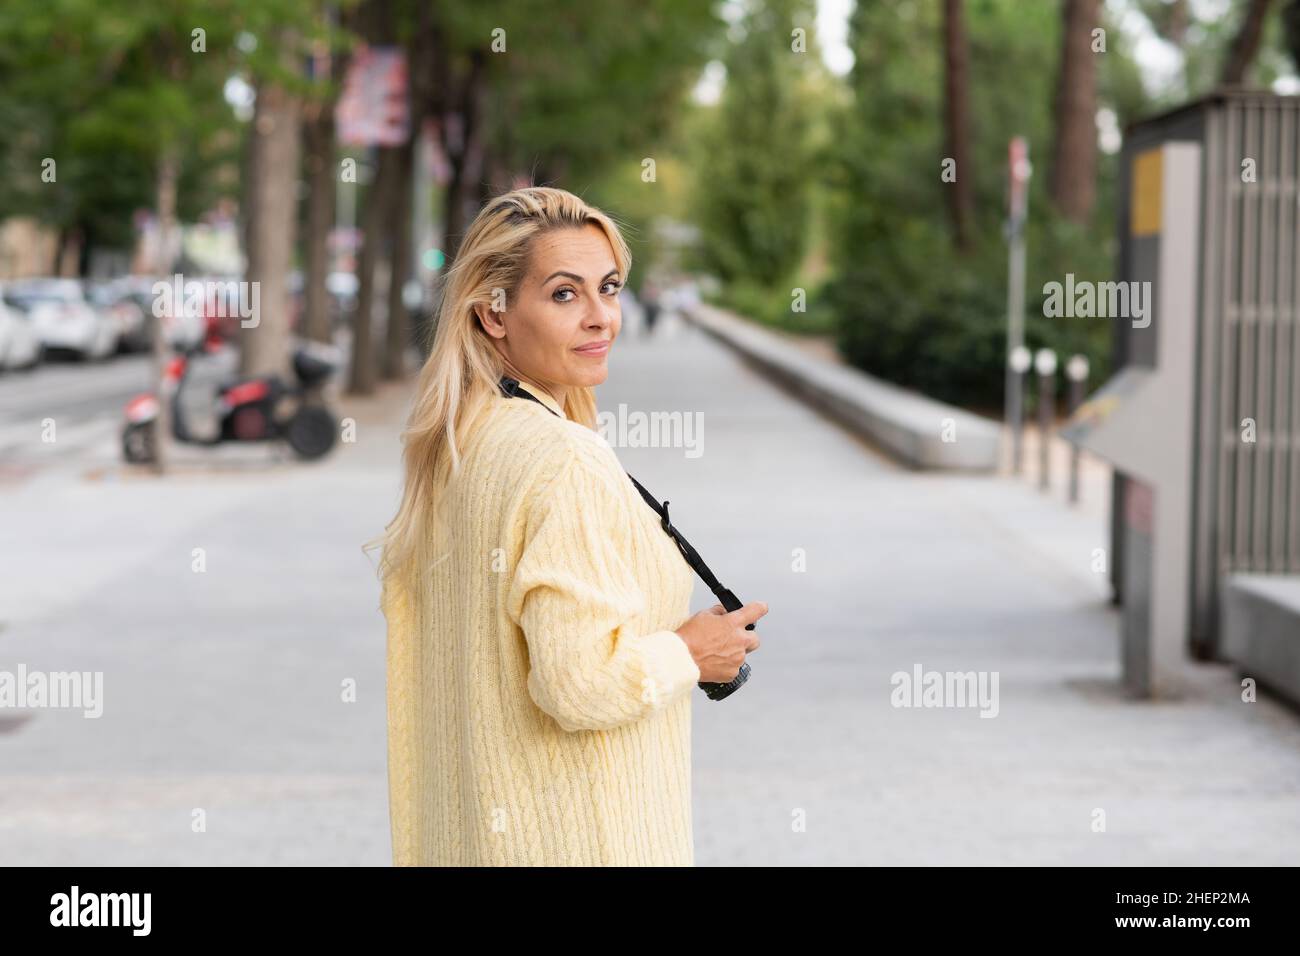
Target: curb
<point>907,425</point>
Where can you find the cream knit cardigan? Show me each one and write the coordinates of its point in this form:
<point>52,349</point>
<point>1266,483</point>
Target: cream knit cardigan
<point>544,716</point>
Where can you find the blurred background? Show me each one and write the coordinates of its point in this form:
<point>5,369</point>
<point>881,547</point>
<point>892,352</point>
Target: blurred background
<point>985,311</point>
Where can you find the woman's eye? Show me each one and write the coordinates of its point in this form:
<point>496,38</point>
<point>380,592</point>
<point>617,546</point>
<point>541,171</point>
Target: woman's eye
<point>612,287</point>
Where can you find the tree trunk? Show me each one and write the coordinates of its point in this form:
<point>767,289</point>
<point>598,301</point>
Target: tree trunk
<point>429,62</point>
<point>1074,153</point>
<point>276,124</point>
<point>399,327</point>
<point>377,207</point>
<point>466,155</point>
<point>321,171</point>
<point>1291,31</point>
<point>165,199</point>
<point>60,250</point>
<point>961,202</point>
<point>1245,44</point>
<point>248,164</point>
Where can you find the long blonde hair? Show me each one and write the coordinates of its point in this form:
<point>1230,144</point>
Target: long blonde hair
<point>463,367</point>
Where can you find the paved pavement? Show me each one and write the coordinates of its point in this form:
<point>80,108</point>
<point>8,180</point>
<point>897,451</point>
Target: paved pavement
<point>223,689</point>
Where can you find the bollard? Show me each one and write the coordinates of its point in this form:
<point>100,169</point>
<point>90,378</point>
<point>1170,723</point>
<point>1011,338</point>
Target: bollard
<point>1019,362</point>
<point>1019,171</point>
<point>1076,370</point>
<point>1045,366</point>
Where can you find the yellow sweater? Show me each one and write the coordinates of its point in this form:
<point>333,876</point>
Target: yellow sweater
<point>544,717</point>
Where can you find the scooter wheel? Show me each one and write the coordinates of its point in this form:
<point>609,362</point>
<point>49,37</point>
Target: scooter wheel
<point>138,444</point>
<point>311,432</point>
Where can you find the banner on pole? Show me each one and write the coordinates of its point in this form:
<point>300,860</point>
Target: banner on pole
<point>372,110</point>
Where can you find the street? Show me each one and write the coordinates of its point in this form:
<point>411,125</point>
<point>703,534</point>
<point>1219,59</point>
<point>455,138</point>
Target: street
<point>85,402</point>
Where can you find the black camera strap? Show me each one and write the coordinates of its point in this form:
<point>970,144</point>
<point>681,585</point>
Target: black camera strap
<point>727,599</point>
<point>511,388</point>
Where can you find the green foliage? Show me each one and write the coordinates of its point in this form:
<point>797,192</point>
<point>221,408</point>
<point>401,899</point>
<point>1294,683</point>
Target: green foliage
<point>912,313</point>
<point>104,88</point>
<point>584,88</point>
<point>108,88</point>
<point>752,189</point>
<point>921,316</point>
<point>908,307</point>
<point>775,308</point>
<point>582,96</point>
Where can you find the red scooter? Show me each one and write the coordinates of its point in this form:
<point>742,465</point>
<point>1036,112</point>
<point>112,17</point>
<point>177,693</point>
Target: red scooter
<point>256,409</point>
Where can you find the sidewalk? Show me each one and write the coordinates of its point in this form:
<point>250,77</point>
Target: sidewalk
<point>951,573</point>
<point>223,689</point>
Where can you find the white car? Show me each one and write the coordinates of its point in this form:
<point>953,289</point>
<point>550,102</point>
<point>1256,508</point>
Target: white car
<point>119,300</point>
<point>63,319</point>
<point>19,345</point>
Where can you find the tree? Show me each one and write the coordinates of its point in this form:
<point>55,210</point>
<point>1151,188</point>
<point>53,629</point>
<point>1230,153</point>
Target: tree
<point>273,191</point>
<point>125,102</point>
<point>377,26</point>
<point>320,167</point>
<point>1074,148</point>
<point>907,306</point>
<point>512,102</point>
<point>1291,31</point>
<point>1245,43</point>
<point>397,334</point>
<point>752,192</point>
<point>956,60</point>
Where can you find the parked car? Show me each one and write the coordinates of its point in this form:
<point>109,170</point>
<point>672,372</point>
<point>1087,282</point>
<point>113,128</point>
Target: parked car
<point>62,318</point>
<point>123,303</point>
<point>165,305</point>
<point>20,347</point>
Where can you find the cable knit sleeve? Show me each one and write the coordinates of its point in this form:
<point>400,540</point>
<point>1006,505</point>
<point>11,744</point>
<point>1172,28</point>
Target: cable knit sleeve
<point>575,599</point>
<point>403,672</point>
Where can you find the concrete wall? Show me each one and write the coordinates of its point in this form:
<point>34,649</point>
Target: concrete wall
<point>1261,630</point>
<point>918,431</point>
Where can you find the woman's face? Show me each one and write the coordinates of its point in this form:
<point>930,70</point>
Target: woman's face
<point>568,300</point>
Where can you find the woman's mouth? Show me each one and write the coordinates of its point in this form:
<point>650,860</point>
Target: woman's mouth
<point>594,348</point>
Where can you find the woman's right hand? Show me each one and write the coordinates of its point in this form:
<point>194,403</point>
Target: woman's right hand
<point>718,641</point>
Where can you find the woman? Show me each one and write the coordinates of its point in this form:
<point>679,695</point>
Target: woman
<point>541,652</point>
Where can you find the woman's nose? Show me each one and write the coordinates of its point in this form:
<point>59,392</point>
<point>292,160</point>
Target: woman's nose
<point>599,315</point>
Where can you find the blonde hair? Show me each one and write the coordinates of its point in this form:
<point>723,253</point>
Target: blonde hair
<point>463,368</point>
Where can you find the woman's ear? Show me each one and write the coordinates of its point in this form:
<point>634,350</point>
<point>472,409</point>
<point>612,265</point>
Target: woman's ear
<point>491,322</point>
